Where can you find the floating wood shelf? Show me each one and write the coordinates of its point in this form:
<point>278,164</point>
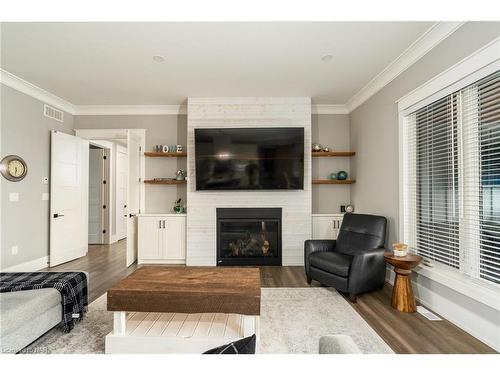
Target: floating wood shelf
<point>333,182</point>
<point>165,182</point>
<point>166,154</point>
<point>333,154</point>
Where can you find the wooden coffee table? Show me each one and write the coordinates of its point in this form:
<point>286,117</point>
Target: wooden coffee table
<point>183,309</point>
<point>402,292</point>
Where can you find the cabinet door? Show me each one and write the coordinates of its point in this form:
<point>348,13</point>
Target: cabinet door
<point>336,223</point>
<point>322,228</point>
<point>149,238</point>
<point>175,240</point>
<point>326,227</point>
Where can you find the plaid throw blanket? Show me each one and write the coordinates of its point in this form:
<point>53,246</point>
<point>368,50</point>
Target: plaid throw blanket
<point>71,285</point>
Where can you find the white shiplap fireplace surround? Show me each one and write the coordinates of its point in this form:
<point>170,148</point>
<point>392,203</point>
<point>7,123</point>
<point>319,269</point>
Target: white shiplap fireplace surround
<point>202,205</point>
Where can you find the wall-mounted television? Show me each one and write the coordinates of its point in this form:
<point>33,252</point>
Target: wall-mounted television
<point>249,158</point>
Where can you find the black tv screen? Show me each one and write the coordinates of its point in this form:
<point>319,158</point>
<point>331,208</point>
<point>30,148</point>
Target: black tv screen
<point>249,158</point>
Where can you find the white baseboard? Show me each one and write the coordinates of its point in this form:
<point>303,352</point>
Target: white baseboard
<point>32,265</point>
<point>475,318</point>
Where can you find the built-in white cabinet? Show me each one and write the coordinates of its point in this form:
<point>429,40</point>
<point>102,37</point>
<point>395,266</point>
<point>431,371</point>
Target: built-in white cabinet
<point>326,226</point>
<point>162,239</point>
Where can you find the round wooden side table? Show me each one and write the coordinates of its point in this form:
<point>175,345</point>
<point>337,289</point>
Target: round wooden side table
<point>402,293</point>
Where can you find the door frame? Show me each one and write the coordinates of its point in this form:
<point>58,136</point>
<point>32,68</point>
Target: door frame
<point>113,135</point>
<point>107,238</point>
<point>121,151</point>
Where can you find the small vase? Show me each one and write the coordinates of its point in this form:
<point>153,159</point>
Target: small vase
<point>342,175</point>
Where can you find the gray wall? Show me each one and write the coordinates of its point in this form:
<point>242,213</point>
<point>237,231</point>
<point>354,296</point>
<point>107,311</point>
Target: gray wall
<point>331,131</point>
<point>160,129</point>
<point>374,125</point>
<point>25,131</point>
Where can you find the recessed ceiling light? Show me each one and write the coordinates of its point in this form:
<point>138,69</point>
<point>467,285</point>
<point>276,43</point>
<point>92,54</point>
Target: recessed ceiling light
<point>327,58</point>
<point>158,58</point>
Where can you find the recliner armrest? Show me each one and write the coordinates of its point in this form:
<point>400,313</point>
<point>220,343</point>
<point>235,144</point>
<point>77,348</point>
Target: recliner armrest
<point>312,246</point>
<point>367,267</point>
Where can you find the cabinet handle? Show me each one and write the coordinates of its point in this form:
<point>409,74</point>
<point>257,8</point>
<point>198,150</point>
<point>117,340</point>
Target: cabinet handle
<point>163,224</point>
<point>159,224</point>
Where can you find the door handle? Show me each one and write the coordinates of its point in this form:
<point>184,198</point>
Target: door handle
<point>57,215</point>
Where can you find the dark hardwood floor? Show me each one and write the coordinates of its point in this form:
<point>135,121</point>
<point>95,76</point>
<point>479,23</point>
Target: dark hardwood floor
<point>404,333</point>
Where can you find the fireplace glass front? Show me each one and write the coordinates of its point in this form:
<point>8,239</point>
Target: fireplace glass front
<point>249,236</point>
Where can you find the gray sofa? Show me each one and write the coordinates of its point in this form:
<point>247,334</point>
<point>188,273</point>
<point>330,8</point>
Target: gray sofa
<point>26,315</point>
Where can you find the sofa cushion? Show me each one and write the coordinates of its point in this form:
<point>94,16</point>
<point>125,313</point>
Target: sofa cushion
<point>332,262</point>
<point>17,308</point>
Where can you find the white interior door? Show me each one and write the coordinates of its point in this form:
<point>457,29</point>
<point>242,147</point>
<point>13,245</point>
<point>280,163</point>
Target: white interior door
<point>96,196</point>
<point>69,188</point>
<point>135,190</point>
<point>121,193</point>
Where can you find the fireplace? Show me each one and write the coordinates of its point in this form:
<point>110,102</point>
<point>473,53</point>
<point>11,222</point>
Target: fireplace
<point>248,236</point>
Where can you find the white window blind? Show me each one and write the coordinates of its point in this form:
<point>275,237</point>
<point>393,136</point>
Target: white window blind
<point>452,180</point>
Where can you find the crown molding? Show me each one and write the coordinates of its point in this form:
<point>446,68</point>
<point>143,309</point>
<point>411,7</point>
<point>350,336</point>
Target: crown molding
<point>479,64</point>
<point>103,110</point>
<point>426,42</point>
<point>329,109</point>
<point>19,84</point>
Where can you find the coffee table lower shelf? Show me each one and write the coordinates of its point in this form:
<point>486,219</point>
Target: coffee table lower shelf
<point>164,333</point>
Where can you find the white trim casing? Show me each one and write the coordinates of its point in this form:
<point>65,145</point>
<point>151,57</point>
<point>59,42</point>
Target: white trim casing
<point>481,63</point>
<point>19,84</point>
<point>430,39</point>
<point>32,265</point>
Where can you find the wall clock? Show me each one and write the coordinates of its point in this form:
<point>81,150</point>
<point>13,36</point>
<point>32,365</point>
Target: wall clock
<point>13,168</point>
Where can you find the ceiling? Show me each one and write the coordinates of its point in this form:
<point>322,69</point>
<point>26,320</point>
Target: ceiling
<point>112,63</point>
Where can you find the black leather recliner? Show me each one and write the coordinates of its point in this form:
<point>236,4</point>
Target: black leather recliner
<point>354,263</point>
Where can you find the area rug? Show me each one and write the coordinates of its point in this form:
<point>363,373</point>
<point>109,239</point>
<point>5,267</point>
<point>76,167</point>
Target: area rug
<point>292,321</point>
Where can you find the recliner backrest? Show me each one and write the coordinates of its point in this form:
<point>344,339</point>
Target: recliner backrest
<point>360,232</point>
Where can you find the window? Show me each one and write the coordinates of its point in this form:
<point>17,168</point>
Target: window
<point>452,180</point>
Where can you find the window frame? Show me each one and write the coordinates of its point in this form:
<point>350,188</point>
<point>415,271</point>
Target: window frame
<point>473,68</point>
